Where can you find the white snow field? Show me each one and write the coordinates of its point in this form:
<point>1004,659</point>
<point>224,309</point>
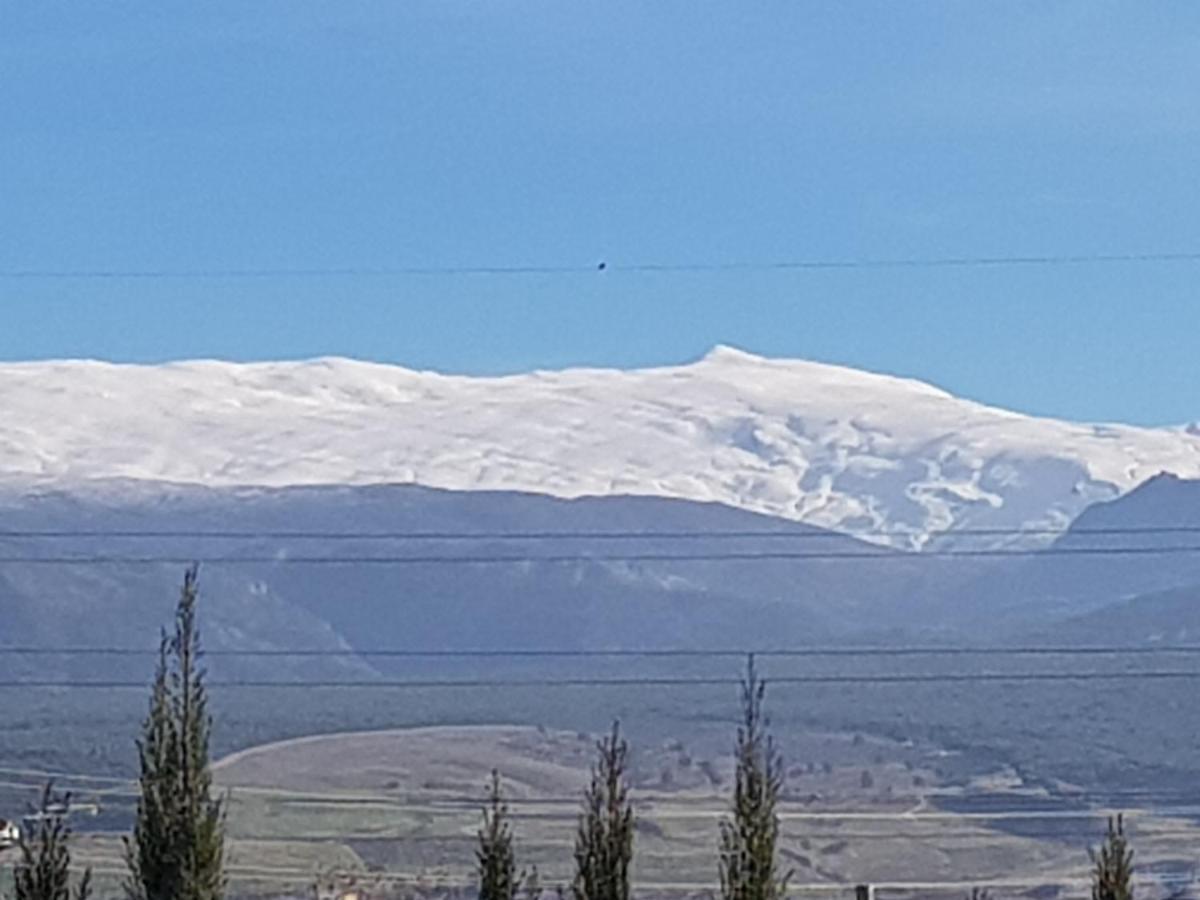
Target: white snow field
<point>873,455</point>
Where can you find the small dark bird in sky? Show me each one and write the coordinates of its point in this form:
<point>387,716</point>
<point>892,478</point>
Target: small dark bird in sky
<point>603,265</point>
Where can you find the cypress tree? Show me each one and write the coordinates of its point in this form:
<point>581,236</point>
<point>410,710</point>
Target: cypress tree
<point>747,858</point>
<point>177,848</point>
<point>1112,865</point>
<point>498,879</point>
<point>604,840</point>
<point>44,869</point>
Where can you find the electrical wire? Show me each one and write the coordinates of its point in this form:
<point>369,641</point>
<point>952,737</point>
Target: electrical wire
<point>1170,804</point>
<point>521,559</point>
<point>651,653</point>
<point>402,535</point>
<point>474,683</point>
<point>601,267</point>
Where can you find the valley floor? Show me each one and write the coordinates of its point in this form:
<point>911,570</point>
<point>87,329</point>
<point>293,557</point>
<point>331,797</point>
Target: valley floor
<point>397,811</point>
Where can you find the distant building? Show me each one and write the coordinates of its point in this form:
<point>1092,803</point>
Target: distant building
<point>342,893</point>
<point>10,834</point>
<point>339,888</point>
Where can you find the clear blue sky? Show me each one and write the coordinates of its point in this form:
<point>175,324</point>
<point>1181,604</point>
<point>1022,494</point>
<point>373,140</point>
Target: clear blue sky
<point>225,135</point>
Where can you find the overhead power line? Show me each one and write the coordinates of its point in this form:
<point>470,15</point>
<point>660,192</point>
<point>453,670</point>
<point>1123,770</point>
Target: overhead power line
<point>1167,804</point>
<point>915,262</point>
<point>509,558</point>
<point>598,269</point>
<point>1151,822</point>
<point>204,274</point>
<point>576,535</point>
<point>598,653</point>
<point>948,835</point>
<point>652,681</point>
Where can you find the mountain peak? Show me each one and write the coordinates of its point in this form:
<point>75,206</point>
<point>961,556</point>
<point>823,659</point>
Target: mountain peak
<point>727,354</point>
<point>726,359</point>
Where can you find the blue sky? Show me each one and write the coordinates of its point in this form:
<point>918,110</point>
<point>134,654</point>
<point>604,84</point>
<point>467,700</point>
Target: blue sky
<point>175,136</point>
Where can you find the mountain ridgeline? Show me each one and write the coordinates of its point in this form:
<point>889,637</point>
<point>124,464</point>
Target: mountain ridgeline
<point>860,452</point>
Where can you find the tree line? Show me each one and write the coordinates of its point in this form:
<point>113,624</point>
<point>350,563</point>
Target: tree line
<point>176,850</point>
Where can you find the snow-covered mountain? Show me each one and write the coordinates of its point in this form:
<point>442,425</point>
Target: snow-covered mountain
<point>859,452</point>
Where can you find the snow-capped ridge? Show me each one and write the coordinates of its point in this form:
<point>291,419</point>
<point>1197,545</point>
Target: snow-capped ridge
<point>829,445</point>
<point>735,359</point>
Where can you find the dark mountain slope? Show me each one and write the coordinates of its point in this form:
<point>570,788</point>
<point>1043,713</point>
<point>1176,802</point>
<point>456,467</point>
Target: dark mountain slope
<point>454,600</point>
<point>1169,617</point>
<point>1099,560</point>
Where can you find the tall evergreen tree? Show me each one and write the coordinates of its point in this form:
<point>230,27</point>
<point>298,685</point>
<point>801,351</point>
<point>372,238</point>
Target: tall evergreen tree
<point>177,848</point>
<point>1112,865</point>
<point>498,879</point>
<point>604,840</point>
<point>747,859</point>
<point>44,869</point>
